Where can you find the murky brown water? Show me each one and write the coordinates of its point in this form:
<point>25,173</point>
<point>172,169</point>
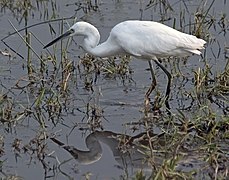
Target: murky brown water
<point>115,104</point>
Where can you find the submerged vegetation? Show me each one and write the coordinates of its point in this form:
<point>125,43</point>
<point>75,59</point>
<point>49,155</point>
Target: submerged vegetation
<point>45,93</point>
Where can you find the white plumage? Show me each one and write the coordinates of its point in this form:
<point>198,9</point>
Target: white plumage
<point>144,39</point>
<point>151,39</point>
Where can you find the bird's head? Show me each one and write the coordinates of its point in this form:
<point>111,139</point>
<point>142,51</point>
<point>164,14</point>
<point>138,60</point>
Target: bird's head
<point>79,28</point>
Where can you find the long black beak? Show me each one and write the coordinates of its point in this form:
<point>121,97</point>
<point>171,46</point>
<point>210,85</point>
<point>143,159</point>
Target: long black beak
<point>66,34</point>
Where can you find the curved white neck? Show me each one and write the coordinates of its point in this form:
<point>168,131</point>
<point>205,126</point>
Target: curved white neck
<point>91,41</point>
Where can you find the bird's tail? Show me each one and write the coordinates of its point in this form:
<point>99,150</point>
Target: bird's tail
<point>196,46</point>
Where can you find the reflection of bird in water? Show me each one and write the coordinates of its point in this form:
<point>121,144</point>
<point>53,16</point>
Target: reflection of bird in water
<point>126,153</point>
<point>144,39</point>
<point>133,153</point>
<point>93,154</point>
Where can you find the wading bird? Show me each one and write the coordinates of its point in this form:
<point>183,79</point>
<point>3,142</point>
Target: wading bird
<point>143,39</point>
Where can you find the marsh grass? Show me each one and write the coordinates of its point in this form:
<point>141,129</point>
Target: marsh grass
<point>25,9</point>
<point>184,137</point>
<point>86,6</point>
<point>196,130</point>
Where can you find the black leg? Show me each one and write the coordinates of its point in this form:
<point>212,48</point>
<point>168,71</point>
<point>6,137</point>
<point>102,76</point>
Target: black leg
<point>152,86</point>
<point>169,81</point>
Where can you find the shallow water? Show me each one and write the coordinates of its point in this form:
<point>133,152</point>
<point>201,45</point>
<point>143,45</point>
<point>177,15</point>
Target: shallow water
<point>115,104</point>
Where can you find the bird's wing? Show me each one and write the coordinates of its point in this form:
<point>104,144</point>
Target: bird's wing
<point>148,39</point>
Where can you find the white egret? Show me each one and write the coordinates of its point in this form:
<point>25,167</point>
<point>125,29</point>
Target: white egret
<point>143,39</point>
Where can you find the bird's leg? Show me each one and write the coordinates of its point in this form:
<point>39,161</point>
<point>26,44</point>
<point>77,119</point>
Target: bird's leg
<point>152,86</point>
<point>168,84</point>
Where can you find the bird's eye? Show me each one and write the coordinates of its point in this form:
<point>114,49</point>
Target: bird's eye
<point>72,31</point>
